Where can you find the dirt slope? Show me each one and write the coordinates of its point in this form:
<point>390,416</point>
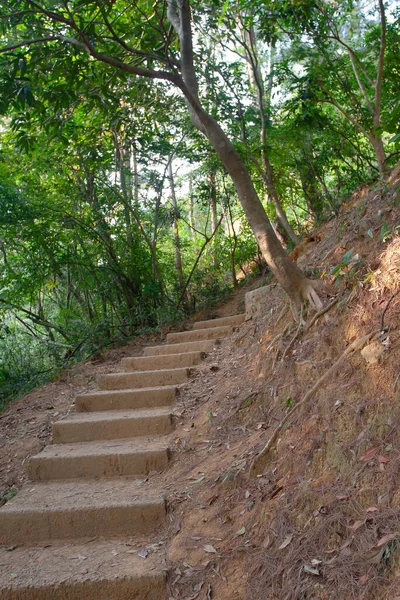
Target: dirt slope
<point>320,520</point>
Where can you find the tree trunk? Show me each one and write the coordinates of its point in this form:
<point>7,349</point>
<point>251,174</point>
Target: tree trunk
<point>256,82</point>
<point>191,208</point>
<point>291,278</point>
<point>380,155</point>
<point>309,185</point>
<point>178,256</point>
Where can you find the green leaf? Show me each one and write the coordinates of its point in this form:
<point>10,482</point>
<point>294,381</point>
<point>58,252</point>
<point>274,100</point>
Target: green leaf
<point>385,232</point>
<point>199,480</point>
<point>347,257</point>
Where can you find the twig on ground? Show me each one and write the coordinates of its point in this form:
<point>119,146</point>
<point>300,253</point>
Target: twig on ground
<point>385,310</point>
<point>272,342</point>
<point>356,345</point>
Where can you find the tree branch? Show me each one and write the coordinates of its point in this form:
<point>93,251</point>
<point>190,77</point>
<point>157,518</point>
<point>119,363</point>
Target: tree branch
<point>28,43</point>
<point>196,262</point>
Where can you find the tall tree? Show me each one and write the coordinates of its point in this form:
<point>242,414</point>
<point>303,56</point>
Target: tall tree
<point>147,47</point>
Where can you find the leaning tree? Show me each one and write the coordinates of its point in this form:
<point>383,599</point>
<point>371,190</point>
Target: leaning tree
<point>146,39</point>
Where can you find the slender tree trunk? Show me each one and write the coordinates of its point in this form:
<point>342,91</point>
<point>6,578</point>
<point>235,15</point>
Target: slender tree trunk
<point>257,85</point>
<point>191,208</point>
<point>380,155</point>
<point>232,235</point>
<point>213,211</point>
<point>177,246</point>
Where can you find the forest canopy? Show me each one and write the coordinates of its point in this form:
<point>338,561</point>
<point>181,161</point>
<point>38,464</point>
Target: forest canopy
<point>152,151</point>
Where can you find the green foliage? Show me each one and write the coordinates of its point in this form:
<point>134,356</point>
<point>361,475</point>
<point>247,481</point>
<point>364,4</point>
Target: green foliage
<point>348,266</point>
<point>89,237</point>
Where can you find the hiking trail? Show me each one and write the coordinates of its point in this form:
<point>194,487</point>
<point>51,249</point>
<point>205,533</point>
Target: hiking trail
<point>73,530</point>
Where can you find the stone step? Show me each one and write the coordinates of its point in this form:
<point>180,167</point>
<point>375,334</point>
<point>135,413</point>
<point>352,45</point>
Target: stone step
<point>112,424</point>
<point>202,346</point>
<point>141,379</point>
<point>233,321</point>
<point>199,334</point>
<point>42,512</point>
<point>98,570</point>
<point>165,361</point>
<point>125,399</point>
<point>137,456</point>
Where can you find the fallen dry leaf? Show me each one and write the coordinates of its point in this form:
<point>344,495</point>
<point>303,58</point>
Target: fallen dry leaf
<point>369,454</point>
<point>383,459</point>
<point>286,542</point>
<point>357,525</point>
<point>387,538</point>
<point>210,548</point>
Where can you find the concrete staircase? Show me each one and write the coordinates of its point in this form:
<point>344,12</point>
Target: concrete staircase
<point>65,536</point>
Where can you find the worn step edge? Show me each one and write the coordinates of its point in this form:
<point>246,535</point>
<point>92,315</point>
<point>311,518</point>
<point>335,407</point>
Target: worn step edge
<point>202,346</point>
<point>150,586</point>
<point>233,320</point>
<point>38,524</point>
<point>109,425</point>
<point>199,334</point>
<point>118,381</point>
<point>77,571</point>
<point>165,361</point>
<point>105,400</point>
<point>106,459</point>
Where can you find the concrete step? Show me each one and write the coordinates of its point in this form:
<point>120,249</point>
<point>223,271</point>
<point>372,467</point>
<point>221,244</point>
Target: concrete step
<point>98,570</point>
<point>137,456</point>
<point>233,321</point>
<point>125,399</point>
<point>202,346</point>
<point>112,424</point>
<point>141,379</point>
<point>199,334</point>
<point>165,361</point>
<point>43,512</point>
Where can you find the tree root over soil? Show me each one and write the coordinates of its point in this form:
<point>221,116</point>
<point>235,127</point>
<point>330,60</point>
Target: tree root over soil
<point>356,345</point>
<point>302,328</point>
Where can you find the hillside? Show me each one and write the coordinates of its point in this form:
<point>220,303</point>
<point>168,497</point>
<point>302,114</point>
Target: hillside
<point>317,517</point>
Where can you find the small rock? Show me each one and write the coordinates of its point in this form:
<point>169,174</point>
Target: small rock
<point>373,352</point>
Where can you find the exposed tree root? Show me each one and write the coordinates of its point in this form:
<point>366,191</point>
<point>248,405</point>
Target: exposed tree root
<point>308,325</point>
<point>293,340</point>
<point>319,314</point>
<point>356,345</point>
<point>306,295</point>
